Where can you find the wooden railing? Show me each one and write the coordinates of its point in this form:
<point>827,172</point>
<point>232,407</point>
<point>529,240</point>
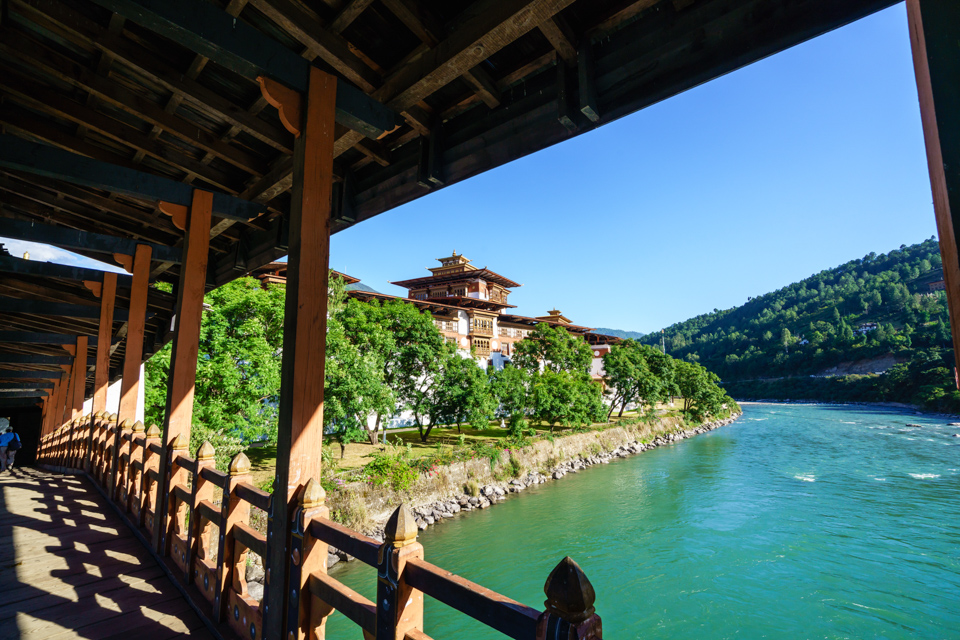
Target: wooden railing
<point>125,461</point>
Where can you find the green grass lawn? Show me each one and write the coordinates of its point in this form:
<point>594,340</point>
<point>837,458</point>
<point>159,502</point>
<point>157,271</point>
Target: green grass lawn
<point>263,460</point>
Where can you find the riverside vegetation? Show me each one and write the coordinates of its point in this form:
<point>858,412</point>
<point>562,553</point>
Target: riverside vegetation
<point>807,340</point>
<point>386,358</point>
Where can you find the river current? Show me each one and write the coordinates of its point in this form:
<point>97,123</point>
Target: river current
<point>794,522</point>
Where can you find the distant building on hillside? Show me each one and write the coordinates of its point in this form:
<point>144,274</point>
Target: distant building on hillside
<point>276,273</point>
<point>866,327</point>
<point>937,285</point>
<point>469,307</point>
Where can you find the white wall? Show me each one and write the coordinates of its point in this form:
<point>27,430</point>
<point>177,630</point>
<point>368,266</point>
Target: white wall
<point>113,398</point>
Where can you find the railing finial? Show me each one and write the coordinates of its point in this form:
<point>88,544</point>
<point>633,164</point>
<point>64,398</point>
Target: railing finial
<point>313,495</point>
<point>113,417</point>
<point>206,451</point>
<point>239,464</point>
<point>153,431</point>
<point>126,424</point>
<point>179,443</point>
<point>570,595</point>
<point>401,528</point>
<point>138,427</point>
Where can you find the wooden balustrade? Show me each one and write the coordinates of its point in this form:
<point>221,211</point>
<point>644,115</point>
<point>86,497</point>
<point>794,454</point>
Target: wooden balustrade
<point>124,460</point>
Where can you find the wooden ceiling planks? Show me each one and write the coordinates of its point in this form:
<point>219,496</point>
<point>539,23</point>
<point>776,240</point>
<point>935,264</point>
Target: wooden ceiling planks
<point>478,78</point>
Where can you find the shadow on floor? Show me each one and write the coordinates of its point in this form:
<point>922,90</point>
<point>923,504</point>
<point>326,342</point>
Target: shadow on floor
<point>70,568</point>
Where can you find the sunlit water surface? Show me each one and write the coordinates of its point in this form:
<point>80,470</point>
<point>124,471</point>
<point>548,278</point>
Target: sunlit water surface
<point>795,522</point>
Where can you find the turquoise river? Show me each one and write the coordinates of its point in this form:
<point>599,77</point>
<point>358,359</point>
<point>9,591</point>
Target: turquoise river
<point>794,522</point>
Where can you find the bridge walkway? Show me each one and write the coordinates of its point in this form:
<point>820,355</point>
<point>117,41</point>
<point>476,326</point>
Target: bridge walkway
<point>70,568</point>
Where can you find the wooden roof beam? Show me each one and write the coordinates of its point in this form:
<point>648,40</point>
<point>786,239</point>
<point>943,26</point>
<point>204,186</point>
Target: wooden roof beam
<point>561,37</point>
<point>350,12</point>
<point>149,222</point>
<point>32,358</point>
<point>66,70</point>
<point>37,211</point>
<point>22,267</point>
<point>52,102</point>
<point>234,7</point>
<point>36,393</point>
<point>430,31</point>
<point>326,44</point>
<point>74,239</point>
<point>64,309</point>
<point>6,374</point>
<point>36,337</point>
<point>205,29</point>
<point>86,32</point>
<point>21,155</point>
<point>28,386</point>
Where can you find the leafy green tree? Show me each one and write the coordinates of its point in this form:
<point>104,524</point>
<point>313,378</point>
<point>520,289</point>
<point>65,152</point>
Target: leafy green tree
<point>554,348</point>
<point>353,379</point>
<point>702,396</point>
<point>404,341</point>
<point>458,392</point>
<point>567,399</point>
<point>786,339</point>
<point>238,369</point>
<point>631,379</point>
<point>510,389</point>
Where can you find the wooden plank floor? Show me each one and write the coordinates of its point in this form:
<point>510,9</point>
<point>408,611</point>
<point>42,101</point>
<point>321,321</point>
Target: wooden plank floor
<point>69,568</point>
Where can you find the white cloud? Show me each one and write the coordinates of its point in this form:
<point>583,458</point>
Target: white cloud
<point>46,253</point>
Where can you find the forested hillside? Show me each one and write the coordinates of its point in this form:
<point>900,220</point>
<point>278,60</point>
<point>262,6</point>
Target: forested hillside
<point>865,316</point>
<point>620,333</point>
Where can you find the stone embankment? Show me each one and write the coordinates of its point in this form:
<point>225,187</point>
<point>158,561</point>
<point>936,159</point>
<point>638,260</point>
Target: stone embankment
<point>490,494</point>
<point>445,495</point>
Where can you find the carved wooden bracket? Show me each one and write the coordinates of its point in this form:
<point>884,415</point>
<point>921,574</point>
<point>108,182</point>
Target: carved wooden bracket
<point>178,212</point>
<point>288,102</point>
<point>93,285</point>
<point>125,261</point>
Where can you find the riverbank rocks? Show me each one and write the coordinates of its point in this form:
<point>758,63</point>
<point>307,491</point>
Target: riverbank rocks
<point>489,494</point>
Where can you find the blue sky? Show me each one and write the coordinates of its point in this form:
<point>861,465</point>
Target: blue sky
<point>743,185</point>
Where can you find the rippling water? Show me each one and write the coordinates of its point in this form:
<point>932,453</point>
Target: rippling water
<point>794,522</point>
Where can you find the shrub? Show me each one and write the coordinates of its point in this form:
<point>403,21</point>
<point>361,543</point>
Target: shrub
<point>472,488</point>
<point>514,467</point>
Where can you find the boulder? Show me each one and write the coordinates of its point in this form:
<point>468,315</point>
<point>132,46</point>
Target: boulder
<point>254,573</point>
<point>255,589</point>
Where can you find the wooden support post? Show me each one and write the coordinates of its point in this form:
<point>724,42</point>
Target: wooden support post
<point>430,171</point>
<point>186,341</point>
<point>586,77</point>
<point>299,441</point>
<point>48,410</point>
<point>148,489</point>
<point>66,397</point>
<point>133,477</point>
<point>567,97</point>
<point>233,511</point>
<point>133,354</point>
<point>934,34</point>
<point>198,533</point>
<point>75,401</point>
<point>130,383</point>
<point>102,375</point>
<point>307,618</point>
<point>399,606</point>
<point>120,467</point>
<point>80,377</point>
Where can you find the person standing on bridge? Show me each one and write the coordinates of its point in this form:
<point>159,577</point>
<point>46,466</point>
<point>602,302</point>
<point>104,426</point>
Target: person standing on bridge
<point>9,445</point>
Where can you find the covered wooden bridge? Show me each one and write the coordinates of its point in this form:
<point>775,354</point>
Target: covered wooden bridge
<point>191,141</point>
